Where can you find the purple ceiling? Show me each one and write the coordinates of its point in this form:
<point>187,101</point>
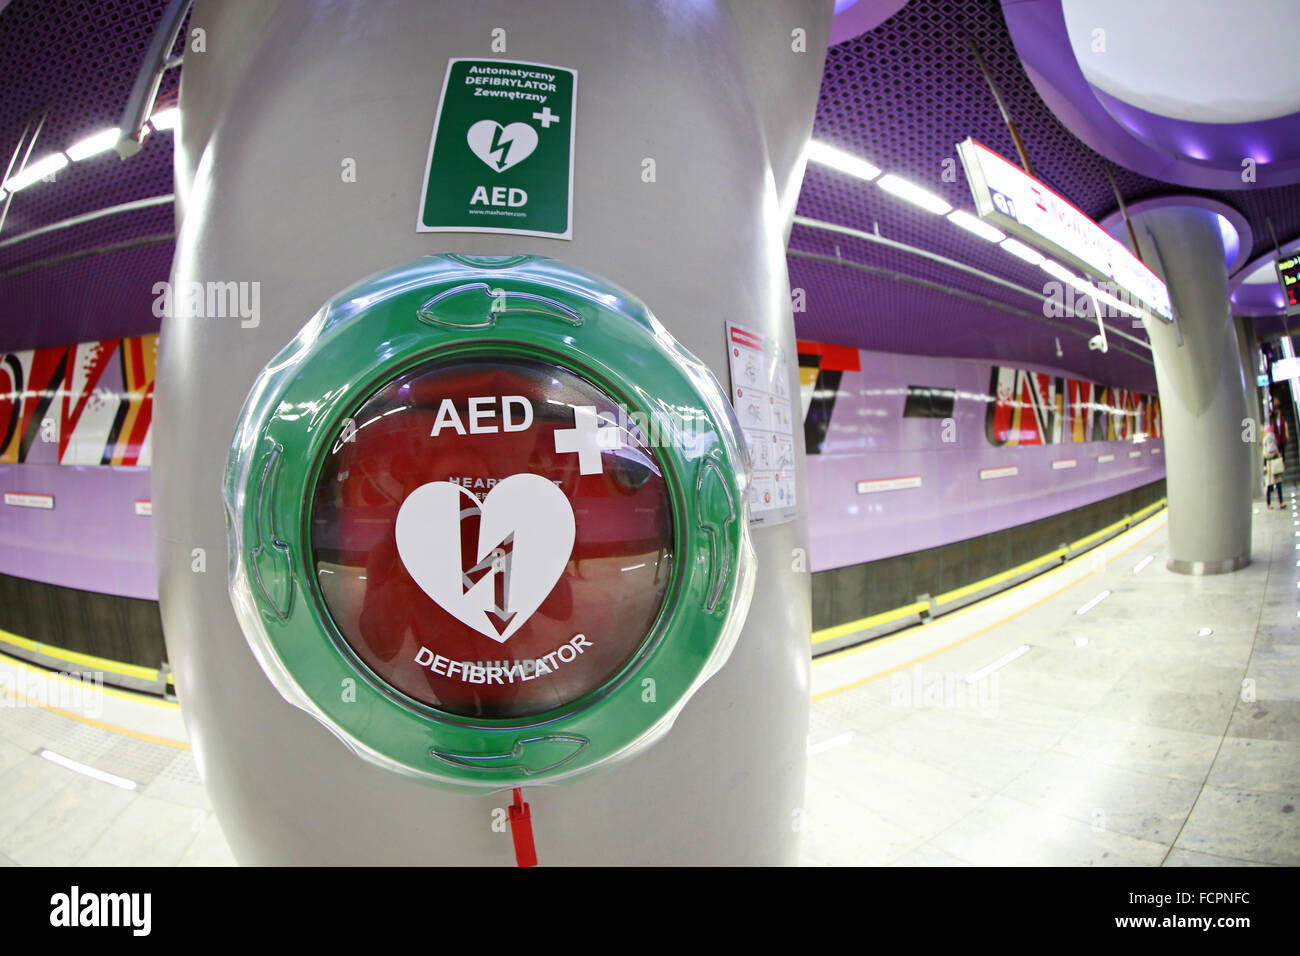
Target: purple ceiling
<point>78,60</point>
<point>901,94</point>
<point>1206,155</point>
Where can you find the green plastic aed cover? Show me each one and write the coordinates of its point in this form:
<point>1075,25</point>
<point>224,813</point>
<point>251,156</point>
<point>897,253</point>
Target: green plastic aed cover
<point>487,522</point>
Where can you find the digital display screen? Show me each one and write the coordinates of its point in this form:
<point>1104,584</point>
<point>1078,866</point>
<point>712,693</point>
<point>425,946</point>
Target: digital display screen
<point>1288,274</point>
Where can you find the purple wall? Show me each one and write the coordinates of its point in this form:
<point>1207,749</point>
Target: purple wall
<point>92,539</point>
<point>868,438</point>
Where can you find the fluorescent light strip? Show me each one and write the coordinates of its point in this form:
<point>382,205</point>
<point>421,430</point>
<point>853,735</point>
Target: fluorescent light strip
<point>100,142</point>
<point>36,171</point>
<point>826,155</point>
<point>1141,565</point>
<point>1054,268</point>
<point>1002,661</point>
<point>1093,603</point>
<point>837,741</point>
<point>166,119</point>
<point>77,766</point>
<point>1117,304</point>
<point>1022,251</point>
<point>975,225</point>
<point>913,193</point>
<point>1087,288</point>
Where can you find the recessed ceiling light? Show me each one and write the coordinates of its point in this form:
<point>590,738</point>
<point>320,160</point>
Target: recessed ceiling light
<point>1022,251</point>
<point>973,224</point>
<point>165,119</point>
<point>913,193</point>
<point>100,142</point>
<point>38,170</point>
<point>826,155</point>
<point>1204,632</point>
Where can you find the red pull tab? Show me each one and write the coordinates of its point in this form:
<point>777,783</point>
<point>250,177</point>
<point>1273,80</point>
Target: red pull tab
<point>521,829</point>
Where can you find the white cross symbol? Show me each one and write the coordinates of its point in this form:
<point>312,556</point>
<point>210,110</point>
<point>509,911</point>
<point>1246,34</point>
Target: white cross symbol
<point>546,118</point>
<point>588,438</point>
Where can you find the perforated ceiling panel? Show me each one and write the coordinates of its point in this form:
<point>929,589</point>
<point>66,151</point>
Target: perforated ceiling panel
<point>901,96</point>
<point>74,64</point>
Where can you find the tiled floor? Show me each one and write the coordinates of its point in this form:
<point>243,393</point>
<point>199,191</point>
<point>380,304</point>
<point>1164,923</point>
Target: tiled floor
<point>1120,737</point>
<point>53,816</point>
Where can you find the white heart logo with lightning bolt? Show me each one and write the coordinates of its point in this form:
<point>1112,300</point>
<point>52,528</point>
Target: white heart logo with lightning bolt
<point>526,533</point>
<point>501,146</point>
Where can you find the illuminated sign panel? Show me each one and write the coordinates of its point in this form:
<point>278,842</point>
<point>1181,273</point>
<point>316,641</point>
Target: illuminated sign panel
<point>1023,206</point>
<point>1285,369</point>
<point>1288,275</point>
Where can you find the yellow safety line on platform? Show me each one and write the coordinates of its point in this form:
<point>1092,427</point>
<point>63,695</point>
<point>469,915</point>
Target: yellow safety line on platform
<point>1149,510</point>
<point>1088,539</point>
<point>839,630</point>
<point>830,633</point>
<point>966,590</point>
<point>110,691</point>
<point>137,671</point>
<point>963,640</point>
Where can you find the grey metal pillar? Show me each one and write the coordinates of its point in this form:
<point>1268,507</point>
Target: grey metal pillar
<point>290,92</point>
<point>1249,349</point>
<point>1202,396</point>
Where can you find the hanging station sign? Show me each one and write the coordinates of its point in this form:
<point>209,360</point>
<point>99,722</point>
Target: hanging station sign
<point>501,155</point>
<point>488,522</point>
<point>1014,201</point>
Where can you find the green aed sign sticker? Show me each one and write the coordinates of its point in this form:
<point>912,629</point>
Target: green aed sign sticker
<point>501,155</point>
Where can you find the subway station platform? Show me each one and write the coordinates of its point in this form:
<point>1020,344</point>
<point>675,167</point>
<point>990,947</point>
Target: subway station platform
<point>747,433</point>
<point>1105,713</point>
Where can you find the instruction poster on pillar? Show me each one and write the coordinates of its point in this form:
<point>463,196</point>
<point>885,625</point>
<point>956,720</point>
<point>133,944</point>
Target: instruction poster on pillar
<point>760,391</point>
<point>501,155</point>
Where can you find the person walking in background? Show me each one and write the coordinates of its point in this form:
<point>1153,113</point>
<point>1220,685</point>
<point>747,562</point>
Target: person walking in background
<point>1274,465</point>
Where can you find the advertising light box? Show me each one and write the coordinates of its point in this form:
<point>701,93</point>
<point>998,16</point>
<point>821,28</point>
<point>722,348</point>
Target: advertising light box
<point>1285,369</point>
<point>1288,276</point>
<point>1021,205</point>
